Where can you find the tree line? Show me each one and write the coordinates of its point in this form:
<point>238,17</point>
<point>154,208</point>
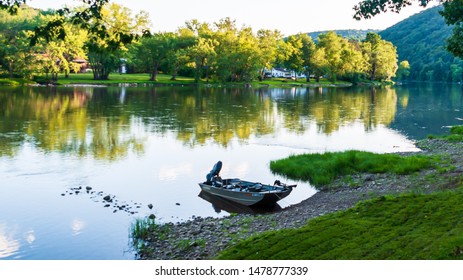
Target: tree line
<point>34,41</point>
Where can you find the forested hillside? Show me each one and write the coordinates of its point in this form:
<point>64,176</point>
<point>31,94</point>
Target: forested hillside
<point>421,40</point>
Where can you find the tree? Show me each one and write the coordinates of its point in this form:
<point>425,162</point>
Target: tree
<point>152,51</point>
<point>308,50</point>
<point>12,6</point>
<point>121,29</point>
<point>16,54</point>
<point>202,52</point>
<point>177,57</point>
<point>238,54</point>
<point>318,63</point>
<point>453,14</point>
<point>268,47</point>
<point>354,65</point>
<point>294,60</point>
<point>381,57</point>
<point>403,71</point>
<point>336,50</point>
<point>57,55</point>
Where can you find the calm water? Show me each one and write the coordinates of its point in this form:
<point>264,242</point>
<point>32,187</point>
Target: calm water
<point>63,150</point>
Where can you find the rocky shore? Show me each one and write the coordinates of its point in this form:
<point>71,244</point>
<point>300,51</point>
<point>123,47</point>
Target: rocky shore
<point>203,238</point>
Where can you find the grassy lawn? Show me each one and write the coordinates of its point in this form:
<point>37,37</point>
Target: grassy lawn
<point>321,169</point>
<point>115,78</point>
<point>405,227</point>
<point>14,82</point>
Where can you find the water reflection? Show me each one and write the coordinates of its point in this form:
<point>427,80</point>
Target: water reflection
<point>77,226</point>
<point>220,204</point>
<point>426,109</point>
<point>8,244</point>
<point>110,123</point>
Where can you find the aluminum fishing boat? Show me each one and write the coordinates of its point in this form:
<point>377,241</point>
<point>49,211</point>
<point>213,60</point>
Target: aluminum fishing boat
<point>244,192</point>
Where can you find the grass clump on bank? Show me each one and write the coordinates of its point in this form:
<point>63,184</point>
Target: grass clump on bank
<point>144,229</point>
<point>321,169</point>
<point>456,134</point>
<point>405,227</point>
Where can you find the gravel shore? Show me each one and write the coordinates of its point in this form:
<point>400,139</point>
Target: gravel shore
<point>203,238</point>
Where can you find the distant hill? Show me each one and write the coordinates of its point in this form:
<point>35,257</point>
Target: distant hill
<point>352,34</point>
<point>420,39</point>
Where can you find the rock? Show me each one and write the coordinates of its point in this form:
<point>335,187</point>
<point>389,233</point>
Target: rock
<point>150,206</point>
<point>107,198</point>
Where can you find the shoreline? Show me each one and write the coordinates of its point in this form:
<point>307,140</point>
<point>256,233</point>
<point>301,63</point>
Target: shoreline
<point>204,238</point>
<point>203,85</point>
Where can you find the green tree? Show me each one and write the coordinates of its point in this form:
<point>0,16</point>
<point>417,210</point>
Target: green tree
<point>238,54</point>
<point>16,54</point>
<point>453,14</point>
<point>152,51</point>
<point>381,57</point>
<point>177,56</point>
<point>201,55</point>
<point>57,55</point>
<point>308,51</point>
<point>248,55</point>
<point>319,64</point>
<point>268,46</point>
<point>121,29</point>
<point>335,48</point>
<point>299,54</point>
<point>403,71</point>
<point>354,65</point>
<point>203,51</point>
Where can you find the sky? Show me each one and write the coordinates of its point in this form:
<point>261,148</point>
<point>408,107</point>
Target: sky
<point>289,17</point>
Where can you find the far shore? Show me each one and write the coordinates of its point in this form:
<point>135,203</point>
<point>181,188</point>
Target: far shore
<point>142,80</point>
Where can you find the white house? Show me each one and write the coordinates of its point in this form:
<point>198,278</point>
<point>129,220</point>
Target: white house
<point>282,73</point>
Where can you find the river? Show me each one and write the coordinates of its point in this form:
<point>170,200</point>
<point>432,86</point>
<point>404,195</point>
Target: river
<point>79,164</point>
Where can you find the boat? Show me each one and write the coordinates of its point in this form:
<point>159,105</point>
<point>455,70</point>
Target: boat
<point>244,192</point>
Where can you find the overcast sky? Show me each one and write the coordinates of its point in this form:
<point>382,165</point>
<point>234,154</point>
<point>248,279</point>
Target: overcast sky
<point>290,17</point>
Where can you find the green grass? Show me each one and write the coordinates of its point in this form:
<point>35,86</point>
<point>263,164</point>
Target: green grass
<point>143,229</point>
<point>405,227</point>
<point>321,169</point>
<point>14,82</point>
<point>116,78</point>
<point>456,134</point>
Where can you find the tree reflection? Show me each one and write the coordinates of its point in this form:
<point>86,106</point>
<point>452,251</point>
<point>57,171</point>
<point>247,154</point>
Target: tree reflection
<point>61,119</point>
<point>108,123</point>
<point>332,108</point>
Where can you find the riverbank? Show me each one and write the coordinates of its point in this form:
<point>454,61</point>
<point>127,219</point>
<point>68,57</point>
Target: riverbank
<point>204,238</point>
<point>142,80</point>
